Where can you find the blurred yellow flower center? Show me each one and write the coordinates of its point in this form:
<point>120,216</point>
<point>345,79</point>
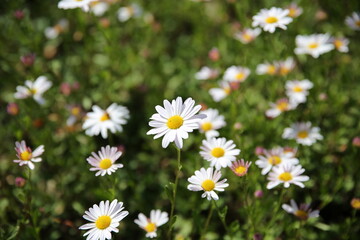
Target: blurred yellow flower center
<point>103,222</point>
<point>75,111</point>
<point>241,170</point>
<point>79,0</point>
<point>286,176</point>
<point>297,89</point>
<point>292,12</point>
<point>284,70</point>
<point>105,163</point>
<point>355,203</point>
<point>247,37</point>
<point>282,106</point>
<point>338,43</point>
<point>313,45</point>
<point>33,91</point>
<point>271,69</point>
<point>301,214</point>
<point>227,90</point>
<point>25,156</point>
<point>150,227</point>
<point>240,76</point>
<point>302,134</point>
<point>357,23</point>
<point>104,117</point>
<point>274,160</point>
<point>271,20</point>
<point>175,122</point>
<point>217,152</point>
<point>208,185</point>
<point>206,126</point>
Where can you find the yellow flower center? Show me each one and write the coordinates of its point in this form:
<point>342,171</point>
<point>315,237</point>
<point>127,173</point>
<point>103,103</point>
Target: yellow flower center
<point>297,89</point>
<point>313,45</point>
<point>241,170</point>
<point>240,76</point>
<point>302,134</point>
<point>175,122</point>
<point>271,69</point>
<point>282,106</point>
<point>274,160</point>
<point>105,163</point>
<point>284,70</point>
<point>355,203</point>
<point>103,222</point>
<point>338,43</point>
<point>247,37</point>
<point>292,12</point>
<point>208,185</point>
<point>33,91</point>
<point>301,214</point>
<point>218,152</point>
<point>75,111</point>
<point>104,117</point>
<point>227,90</point>
<point>357,23</point>
<point>25,156</point>
<point>286,176</point>
<point>150,227</point>
<point>206,126</point>
<point>271,20</point>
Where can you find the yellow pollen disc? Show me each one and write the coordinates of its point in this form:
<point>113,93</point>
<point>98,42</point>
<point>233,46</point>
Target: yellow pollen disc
<point>33,91</point>
<point>247,37</point>
<point>75,111</point>
<point>271,69</point>
<point>297,89</point>
<point>218,152</point>
<point>313,45</point>
<point>206,126</point>
<point>104,117</point>
<point>105,163</point>
<point>103,222</point>
<point>274,160</point>
<point>301,214</point>
<point>284,70</point>
<point>79,0</point>
<point>357,23</point>
<point>240,76</point>
<point>150,227</point>
<point>338,43</point>
<point>282,106</point>
<point>175,122</point>
<point>286,176</point>
<point>241,170</point>
<point>355,203</point>
<point>292,12</point>
<point>302,134</point>
<point>227,90</point>
<point>271,20</point>
<point>25,156</point>
<point>208,185</point>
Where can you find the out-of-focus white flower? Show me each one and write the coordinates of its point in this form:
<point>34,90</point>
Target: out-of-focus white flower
<point>353,21</point>
<point>150,225</point>
<point>341,44</point>
<point>294,10</point>
<point>281,105</point>
<point>284,67</point>
<point>247,35</point>
<point>219,94</point>
<point>303,133</point>
<point>314,45</point>
<point>70,4</point>
<point>26,156</point>
<point>287,174</point>
<point>236,74</point>
<point>297,91</point>
<point>211,123</point>
<point>99,7</point>
<point>303,212</point>
<point>125,13</point>
<point>33,89</point>
<point>206,73</point>
<point>104,161</point>
<point>60,27</point>
<point>270,19</point>
<point>266,68</point>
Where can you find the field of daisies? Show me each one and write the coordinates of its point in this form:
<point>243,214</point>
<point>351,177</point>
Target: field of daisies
<point>180,120</point>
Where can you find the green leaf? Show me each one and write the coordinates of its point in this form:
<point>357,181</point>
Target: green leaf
<point>169,189</point>
<point>222,212</point>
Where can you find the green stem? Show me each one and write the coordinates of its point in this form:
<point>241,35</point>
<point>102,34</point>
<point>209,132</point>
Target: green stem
<point>32,218</point>
<point>221,218</point>
<point>274,215</point>
<point>207,221</point>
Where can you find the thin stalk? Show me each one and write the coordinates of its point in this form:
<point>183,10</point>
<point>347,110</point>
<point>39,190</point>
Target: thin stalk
<point>207,221</point>
<point>221,218</point>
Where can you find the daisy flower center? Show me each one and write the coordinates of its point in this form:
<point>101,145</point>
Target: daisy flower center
<point>274,160</point>
<point>271,69</point>
<point>105,163</point>
<point>355,203</point>
<point>313,45</point>
<point>150,227</point>
<point>282,106</point>
<point>301,214</point>
<point>105,117</point>
<point>297,89</point>
<point>103,222</point>
<point>218,152</point>
<point>247,37</point>
<point>75,111</point>
<point>292,12</point>
<point>206,126</point>
<point>175,122</point>
<point>239,76</point>
<point>302,134</point>
<point>284,70</point>
<point>338,43</point>
<point>271,20</point>
<point>33,91</point>
<point>241,170</point>
<point>286,176</point>
<point>208,185</point>
<point>227,90</point>
<point>25,156</point>
<point>357,23</point>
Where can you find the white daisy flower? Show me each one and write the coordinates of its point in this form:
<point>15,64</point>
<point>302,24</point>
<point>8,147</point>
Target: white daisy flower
<point>60,27</point>
<point>206,73</point>
<point>314,45</point>
<point>219,94</point>
<point>219,152</point>
<point>99,121</point>
<point>275,157</point>
<point>150,225</point>
<point>303,133</point>
<point>297,91</point>
<point>207,180</point>
<point>270,19</point>
<point>303,212</point>
<point>175,120</point>
<point>99,7</point>
<point>286,174</point>
<point>266,68</point>
<point>236,74</point>
<point>125,13</point>
<point>104,218</point>
<point>281,105</point>
<point>353,21</point>
<point>33,89</point>
<point>247,35</point>
<point>104,161</point>
<point>211,123</point>
<point>284,67</point>
<point>341,44</point>
<point>294,10</point>
<point>240,167</point>
<point>26,156</point>
<point>70,4</point>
